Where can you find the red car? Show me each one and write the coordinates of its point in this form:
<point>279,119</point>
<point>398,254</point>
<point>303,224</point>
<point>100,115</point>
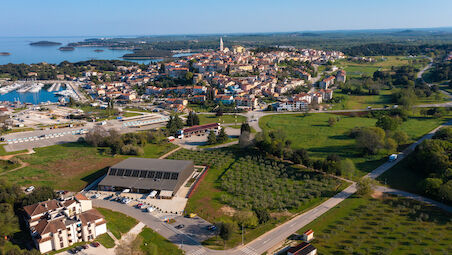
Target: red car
<point>95,244</point>
<point>139,205</point>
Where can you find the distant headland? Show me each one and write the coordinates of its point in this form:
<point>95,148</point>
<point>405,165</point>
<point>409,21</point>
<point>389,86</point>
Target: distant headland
<point>66,48</point>
<point>5,53</point>
<point>45,43</point>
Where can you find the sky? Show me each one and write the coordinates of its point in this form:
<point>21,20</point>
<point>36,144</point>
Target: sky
<point>150,17</point>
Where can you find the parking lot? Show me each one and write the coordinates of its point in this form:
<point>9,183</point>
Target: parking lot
<point>195,227</point>
<point>194,141</point>
<point>91,251</point>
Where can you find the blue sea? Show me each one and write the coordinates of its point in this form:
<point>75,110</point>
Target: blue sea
<point>22,52</point>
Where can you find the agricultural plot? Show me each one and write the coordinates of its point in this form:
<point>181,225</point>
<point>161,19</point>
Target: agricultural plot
<point>254,182</point>
<point>388,225</point>
<point>240,181</point>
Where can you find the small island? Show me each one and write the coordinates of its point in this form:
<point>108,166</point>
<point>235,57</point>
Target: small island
<point>66,48</point>
<point>5,53</point>
<point>45,43</point>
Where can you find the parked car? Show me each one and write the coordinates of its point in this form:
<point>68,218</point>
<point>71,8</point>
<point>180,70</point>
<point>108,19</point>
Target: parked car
<point>180,226</point>
<point>73,251</point>
<point>150,209</point>
<point>85,246</point>
<point>30,189</point>
<point>139,205</point>
<point>211,227</point>
<point>95,244</point>
<point>95,196</point>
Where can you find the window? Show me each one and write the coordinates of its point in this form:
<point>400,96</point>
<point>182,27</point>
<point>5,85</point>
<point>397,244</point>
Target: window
<point>135,173</point>
<point>143,174</point>
<point>166,175</point>
<point>112,171</point>
<point>151,174</point>
<point>158,175</point>
<point>120,172</point>
<point>128,172</point>
<point>174,176</point>
<point>61,244</point>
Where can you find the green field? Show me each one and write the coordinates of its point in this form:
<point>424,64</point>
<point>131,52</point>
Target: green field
<point>3,152</point>
<point>6,165</point>
<point>153,243</point>
<point>403,177</point>
<point>355,70</point>
<point>211,118</point>
<point>313,133</point>
<point>362,102</point>
<point>72,166</point>
<point>382,226</point>
<point>106,241</point>
<point>117,223</point>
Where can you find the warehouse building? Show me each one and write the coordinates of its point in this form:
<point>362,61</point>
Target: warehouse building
<point>144,175</point>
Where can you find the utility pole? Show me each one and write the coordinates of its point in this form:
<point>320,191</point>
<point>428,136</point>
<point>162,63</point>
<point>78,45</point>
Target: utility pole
<point>242,233</point>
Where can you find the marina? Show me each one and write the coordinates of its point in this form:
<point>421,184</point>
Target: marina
<point>34,93</point>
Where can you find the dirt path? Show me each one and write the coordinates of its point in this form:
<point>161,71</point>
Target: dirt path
<point>169,153</point>
<point>22,165</point>
<point>8,157</point>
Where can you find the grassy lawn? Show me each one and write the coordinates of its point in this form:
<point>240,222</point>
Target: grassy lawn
<point>69,166</point>
<point>6,165</point>
<point>313,133</point>
<point>153,243</point>
<point>17,130</point>
<point>157,150</point>
<point>403,177</point>
<point>354,69</point>
<point>379,101</point>
<point>117,223</point>
<point>387,225</point>
<point>211,118</point>
<point>362,102</point>
<point>106,240</point>
<point>130,114</point>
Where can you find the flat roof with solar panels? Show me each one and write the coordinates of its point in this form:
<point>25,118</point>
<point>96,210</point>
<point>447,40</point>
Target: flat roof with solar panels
<point>144,175</point>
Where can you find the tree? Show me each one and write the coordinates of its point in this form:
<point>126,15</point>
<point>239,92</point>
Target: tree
<point>347,167</point>
<point>211,138</point>
<point>174,124</point>
<point>219,112</point>
<point>245,139</point>
<point>245,127</point>
<point>431,185</point>
<point>365,186</point>
<point>246,219</point>
<point>262,215</point>
<point>225,230</point>
<point>39,194</point>
<point>332,121</point>
<point>222,136</point>
<point>371,139</point>
<point>400,137</point>
<point>387,123</point>
<point>9,224</point>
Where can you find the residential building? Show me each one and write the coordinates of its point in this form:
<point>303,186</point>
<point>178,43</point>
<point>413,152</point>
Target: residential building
<point>57,224</point>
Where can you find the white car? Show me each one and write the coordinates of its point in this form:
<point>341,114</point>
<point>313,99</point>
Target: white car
<point>150,209</point>
<point>30,189</point>
<point>153,194</point>
<point>126,191</point>
<point>95,196</point>
<point>126,201</point>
